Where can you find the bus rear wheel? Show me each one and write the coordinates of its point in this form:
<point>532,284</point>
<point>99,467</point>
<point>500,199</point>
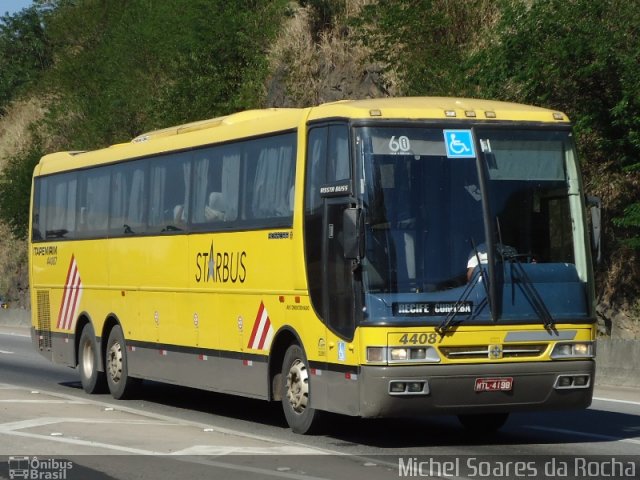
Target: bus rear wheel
<point>121,385</point>
<point>92,379</point>
<point>483,422</point>
<point>296,394</point>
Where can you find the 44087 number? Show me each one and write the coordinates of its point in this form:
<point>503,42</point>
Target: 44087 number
<point>418,338</point>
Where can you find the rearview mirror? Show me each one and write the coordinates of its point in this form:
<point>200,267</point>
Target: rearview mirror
<point>595,205</point>
<point>352,230</point>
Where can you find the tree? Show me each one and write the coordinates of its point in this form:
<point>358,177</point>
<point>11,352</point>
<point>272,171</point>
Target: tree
<point>15,189</point>
<point>124,68</point>
<point>25,52</point>
<point>581,57</point>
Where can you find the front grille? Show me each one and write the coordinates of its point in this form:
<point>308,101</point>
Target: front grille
<point>483,351</point>
<point>44,320</point>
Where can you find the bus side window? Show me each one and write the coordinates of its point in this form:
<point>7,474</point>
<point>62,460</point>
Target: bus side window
<point>60,221</point>
<point>169,188</point>
<point>128,199</point>
<point>274,176</point>
<point>95,211</point>
<point>215,185</point>
<point>338,154</point>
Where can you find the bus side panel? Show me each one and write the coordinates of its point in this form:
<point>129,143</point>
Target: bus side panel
<point>128,257</point>
<point>343,375</point>
<point>71,277</point>
<point>146,300</point>
<point>333,361</point>
<point>244,369</point>
<point>242,279</point>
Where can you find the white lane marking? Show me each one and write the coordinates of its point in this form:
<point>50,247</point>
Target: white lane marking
<point>151,418</point>
<point>212,450</point>
<point>138,451</point>
<point>13,334</point>
<point>597,436</point>
<point>177,421</point>
<point>82,443</point>
<point>44,421</point>
<point>22,400</point>
<point>628,402</point>
<point>6,351</point>
<point>230,466</point>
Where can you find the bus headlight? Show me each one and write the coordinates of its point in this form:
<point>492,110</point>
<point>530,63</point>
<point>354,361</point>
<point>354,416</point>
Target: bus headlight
<point>573,350</point>
<point>376,354</point>
<point>399,354</point>
<point>424,354</point>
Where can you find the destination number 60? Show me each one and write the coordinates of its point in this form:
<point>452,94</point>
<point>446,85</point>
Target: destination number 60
<point>401,144</point>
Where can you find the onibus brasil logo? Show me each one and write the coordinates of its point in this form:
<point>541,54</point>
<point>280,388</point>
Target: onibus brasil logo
<point>35,469</point>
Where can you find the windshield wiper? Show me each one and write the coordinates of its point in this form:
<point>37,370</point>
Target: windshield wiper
<point>448,323</point>
<point>529,289</point>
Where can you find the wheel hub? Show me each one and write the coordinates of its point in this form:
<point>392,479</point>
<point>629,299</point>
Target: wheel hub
<point>114,361</point>
<point>87,360</point>
<point>298,386</point>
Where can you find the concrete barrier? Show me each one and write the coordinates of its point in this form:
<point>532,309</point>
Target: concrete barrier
<point>617,361</point>
<point>15,317</point>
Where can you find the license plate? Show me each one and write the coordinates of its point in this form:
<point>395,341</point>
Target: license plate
<point>501,384</point>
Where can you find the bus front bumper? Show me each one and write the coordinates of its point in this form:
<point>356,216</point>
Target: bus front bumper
<point>453,389</point>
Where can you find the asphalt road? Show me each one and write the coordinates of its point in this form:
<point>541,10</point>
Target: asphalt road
<point>175,432</point>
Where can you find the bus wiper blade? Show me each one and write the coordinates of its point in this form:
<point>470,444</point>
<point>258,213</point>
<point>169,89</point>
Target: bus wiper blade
<point>530,291</point>
<point>447,323</point>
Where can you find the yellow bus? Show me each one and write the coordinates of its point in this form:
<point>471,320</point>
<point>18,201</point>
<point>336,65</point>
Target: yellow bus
<point>382,257</point>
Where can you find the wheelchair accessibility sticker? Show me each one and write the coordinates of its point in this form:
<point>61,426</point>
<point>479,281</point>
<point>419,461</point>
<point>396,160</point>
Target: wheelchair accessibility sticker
<point>459,144</point>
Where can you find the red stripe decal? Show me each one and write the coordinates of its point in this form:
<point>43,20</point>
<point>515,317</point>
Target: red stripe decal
<point>59,324</point>
<point>256,324</point>
<point>265,332</point>
<point>70,297</point>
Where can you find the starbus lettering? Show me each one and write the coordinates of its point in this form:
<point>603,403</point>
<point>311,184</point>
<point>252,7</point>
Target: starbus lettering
<point>221,267</point>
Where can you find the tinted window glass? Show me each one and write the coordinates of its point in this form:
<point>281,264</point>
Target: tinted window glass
<point>169,179</point>
<point>128,198</point>
<point>93,203</point>
<point>270,177</point>
<point>60,210</point>
<point>216,185</point>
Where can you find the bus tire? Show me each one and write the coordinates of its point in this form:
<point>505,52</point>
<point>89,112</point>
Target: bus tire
<point>483,422</point>
<point>92,379</point>
<point>296,394</point>
<point>121,385</point>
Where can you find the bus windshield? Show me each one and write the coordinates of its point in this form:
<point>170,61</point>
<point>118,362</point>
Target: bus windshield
<point>424,216</point>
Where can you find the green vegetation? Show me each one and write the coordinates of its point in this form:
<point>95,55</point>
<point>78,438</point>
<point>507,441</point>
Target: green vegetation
<point>108,71</point>
<point>25,53</point>
<point>579,56</point>
<point>126,67</point>
<point>15,188</point>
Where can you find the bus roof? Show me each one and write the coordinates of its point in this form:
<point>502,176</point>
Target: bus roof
<point>257,122</point>
<point>436,108</point>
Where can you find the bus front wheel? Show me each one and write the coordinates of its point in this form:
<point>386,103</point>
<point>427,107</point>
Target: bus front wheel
<point>93,380</point>
<point>296,394</point>
<point>121,385</point>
